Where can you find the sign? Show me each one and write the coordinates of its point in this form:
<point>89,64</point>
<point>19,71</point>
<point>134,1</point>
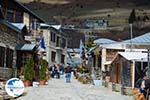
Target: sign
<point>14,87</point>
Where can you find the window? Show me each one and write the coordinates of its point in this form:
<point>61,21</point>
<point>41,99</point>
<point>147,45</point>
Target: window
<point>10,15</point>
<point>19,17</point>
<point>2,56</point>
<point>53,56</point>
<point>63,59</point>
<point>57,43</point>
<point>53,35</point>
<point>35,24</point>
<point>63,42</point>
<point>9,58</point>
<point>25,57</point>
<point>19,59</point>
<point>4,10</point>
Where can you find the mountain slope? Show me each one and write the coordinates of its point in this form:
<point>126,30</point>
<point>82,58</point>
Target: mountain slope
<point>76,12</point>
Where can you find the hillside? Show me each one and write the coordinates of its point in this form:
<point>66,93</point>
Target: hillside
<point>76,12</point>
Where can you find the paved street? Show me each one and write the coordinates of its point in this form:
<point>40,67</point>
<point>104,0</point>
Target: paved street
<point>57,89</point>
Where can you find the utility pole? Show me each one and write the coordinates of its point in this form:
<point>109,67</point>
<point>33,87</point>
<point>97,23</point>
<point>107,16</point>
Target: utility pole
<point>131,33</point>
<point>148,62</point>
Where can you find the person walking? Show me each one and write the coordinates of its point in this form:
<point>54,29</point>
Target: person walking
<point>52,70</point>
<point>61,69</point>
<point>58,71</point>
<point>68,74</point>
<point>144,86</point>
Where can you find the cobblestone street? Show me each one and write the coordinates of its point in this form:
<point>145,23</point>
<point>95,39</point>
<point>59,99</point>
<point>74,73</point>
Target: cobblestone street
<point>57,89</point>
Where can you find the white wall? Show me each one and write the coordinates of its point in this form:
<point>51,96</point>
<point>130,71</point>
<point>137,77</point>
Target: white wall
<point>51,46</point>
<point>26,19</point>
<point>103,58</point>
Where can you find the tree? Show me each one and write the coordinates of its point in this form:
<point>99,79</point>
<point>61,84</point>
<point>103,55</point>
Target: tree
<point>29,70</point>
<point>90,41</point>
<point>132,17</point>
<point>43,68</point>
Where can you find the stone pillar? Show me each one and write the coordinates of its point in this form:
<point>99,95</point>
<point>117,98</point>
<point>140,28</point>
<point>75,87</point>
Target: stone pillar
<point>103,58</point>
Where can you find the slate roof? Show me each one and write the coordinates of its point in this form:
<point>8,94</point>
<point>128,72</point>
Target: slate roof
<point>8,24</point>
<point>132,56</point>
<point>137,56</point>
<point>25,47</point>
<point>104,41</point>
<point>143,39</point>
<point>19,25</point>
<point>140,40</point>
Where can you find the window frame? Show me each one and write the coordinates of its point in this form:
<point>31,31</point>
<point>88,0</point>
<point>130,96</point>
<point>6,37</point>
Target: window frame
<point>53,56</point>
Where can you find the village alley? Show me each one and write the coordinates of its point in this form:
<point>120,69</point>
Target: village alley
<point>58,89</point>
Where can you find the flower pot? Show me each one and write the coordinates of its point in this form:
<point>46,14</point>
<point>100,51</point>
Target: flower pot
<point>42,82</point>
<point>27,83</point>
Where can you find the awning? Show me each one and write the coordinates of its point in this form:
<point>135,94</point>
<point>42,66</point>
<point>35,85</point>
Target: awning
<point>25,47</point>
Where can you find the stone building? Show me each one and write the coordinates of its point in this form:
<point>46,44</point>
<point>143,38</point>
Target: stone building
<point>55,43</point>
<point>17,22</point>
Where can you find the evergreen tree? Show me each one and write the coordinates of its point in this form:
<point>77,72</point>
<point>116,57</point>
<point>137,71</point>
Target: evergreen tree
<point>90,41</point>
<point>29,70</point>
<point>132,17</point>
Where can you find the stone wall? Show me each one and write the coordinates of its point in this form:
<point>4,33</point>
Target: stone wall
<point>5,73</point>
<point>10,38</point>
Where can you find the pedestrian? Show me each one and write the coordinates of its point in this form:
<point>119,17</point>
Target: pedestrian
<point>143,84</point>
<point>68,74</point>
<point>61,69</point>
<point>58,71</point>
<point>52,70</point>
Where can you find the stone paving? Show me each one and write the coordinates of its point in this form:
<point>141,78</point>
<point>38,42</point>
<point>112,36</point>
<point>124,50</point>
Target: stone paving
<point>57,89</point>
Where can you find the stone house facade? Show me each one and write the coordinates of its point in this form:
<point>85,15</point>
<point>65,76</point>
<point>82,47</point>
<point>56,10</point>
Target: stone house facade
<point>55,43</point>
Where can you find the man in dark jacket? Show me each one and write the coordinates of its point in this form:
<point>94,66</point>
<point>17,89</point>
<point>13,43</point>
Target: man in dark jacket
<point>144,86</point>
<point>52,70</point>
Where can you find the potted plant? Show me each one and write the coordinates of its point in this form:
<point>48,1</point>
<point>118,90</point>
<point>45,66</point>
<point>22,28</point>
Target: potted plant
<point>28,72</point>
<point>42,72</point>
